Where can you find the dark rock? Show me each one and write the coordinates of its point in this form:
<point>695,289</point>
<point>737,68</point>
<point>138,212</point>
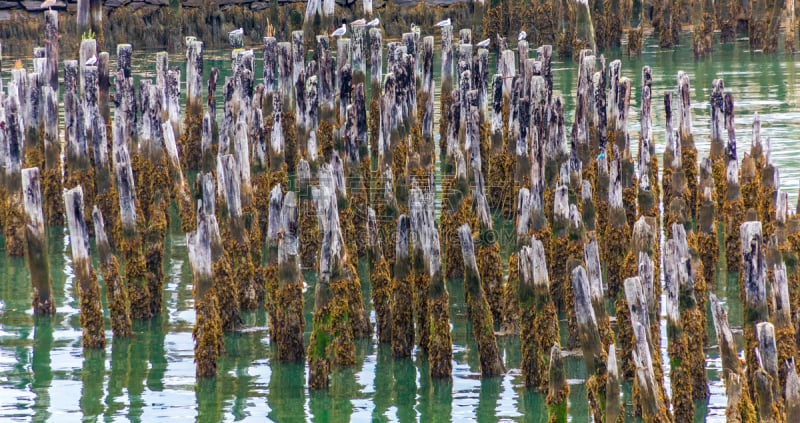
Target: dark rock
<point>9,4</point>
<point>116,3</point>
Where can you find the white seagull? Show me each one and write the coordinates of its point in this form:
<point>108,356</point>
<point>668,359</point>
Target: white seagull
<point>374,22</point>
<point>522,35</point>
<point>92,61</point>
<point>239,31</point>
<point>484,43</point>
<point>445,22</point>
<point>359,22</point>
<point>48,4</point>
<point>341,31</point>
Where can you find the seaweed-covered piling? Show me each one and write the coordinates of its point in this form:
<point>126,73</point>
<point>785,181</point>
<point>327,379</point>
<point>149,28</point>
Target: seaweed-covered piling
<point>733,209</point>
<point>482,323</point>
<point>687,146</point>
<point>753,280</point>
<point>768,390</point>
<point>402,293</point>
<point>290,286</point>
<point>594,352</point>
<point>440,346</point>
<point>782,318</point>
<point>274,234</point>
<point>332,335</point>
<point>36,244</point>
<point>740,406</point>
<point>130,243</point>
<point>422,227</point>
<point>381,281</point>
<point>538,319</point>
<point>116,290</point>
<point>205,247</point>
<point>648,391</point>
<point>190,139</point>
<point>558,390</point>
<point>85,277</point>
<point>52,174</point>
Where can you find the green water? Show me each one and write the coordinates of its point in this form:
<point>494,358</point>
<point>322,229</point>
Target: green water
<point>45,375</point>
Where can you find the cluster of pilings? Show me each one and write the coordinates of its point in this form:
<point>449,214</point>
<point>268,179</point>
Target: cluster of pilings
<point>586,212</point>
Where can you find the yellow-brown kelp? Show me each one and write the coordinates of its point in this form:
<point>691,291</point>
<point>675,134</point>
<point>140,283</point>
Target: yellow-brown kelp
<point>116,291</point>
<point>693,292</point>
<point>594,352</point>
<point>617,231</point>
<point>768,192</point>
<point>290,286</point>
<point>558,390</point>
<point>85,277</point>
<point>36,245</point>
<point>440,345</point>
<point>511,304</point>
<point>482,323</point>
<point>12,210</point>
<point>332,335</point>
<point>205,248</point>
<point>180,191</point>
<point>740,406</point>
<point>538,319</point>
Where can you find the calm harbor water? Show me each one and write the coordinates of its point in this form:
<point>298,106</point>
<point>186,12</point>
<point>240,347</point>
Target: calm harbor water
<point>45,375</point>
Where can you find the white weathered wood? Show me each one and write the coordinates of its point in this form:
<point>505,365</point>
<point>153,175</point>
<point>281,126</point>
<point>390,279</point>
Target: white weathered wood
<point>754,269</point>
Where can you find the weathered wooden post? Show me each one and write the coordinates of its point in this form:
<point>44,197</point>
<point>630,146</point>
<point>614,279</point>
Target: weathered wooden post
<point>688,149</point>
<point>190,138</point>
<point>421,215</point>
<point>784,326</point>
<point>116,290</point>
<point>402,292</point>
<point>558,389</point>
<point>332,336</point>
<point>752,277</point>
<point>52,174</point>
<point>205,248</point>
<point>538,319</point>
<point>86,279</point>
<point>483,326</point>
<point>52,36</point>
<point>381,281</point>
<point>740,406</point>
<point>594,352</point>
<point>768,391</point>
<point>440,348</point>
<point>591,257</point>
<point>36,245</point>
<point>14,218</point>
<point>290,291</point>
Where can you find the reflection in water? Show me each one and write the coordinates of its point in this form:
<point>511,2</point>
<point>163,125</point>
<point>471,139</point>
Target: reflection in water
<point>157,330</point>
<point>119,376</point>
<point>92,375</point>
<point>384,384</point>
<point>286,398</point>
<point>209,400</point>
<point>487,399</point>
<point>140,348</point>
<point>42,371</point>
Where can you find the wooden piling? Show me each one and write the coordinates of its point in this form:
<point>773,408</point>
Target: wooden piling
<point>36,245</point>
<point>205,247</point>
<point>290,294</point>
<point>52,173</point>
<point>190,138</point>
<point>402,293</point>
<point>752,281</point>
<point>538,319</point>
<point>594,352</point>
<point>558,390</point>
<point>131,242</point>
<point>116,290</point>
<point>380,279</point>
<point>85,278</point>
<point>14,218</point>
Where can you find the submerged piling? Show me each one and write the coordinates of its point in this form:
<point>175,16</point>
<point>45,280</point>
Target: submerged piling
<point>36,245</point>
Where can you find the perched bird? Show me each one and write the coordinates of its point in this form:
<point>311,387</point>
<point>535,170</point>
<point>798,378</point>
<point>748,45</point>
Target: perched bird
<point>522,35</point>
<point>374,22</point>
<point>48,4</point>
<point>239,31</point>
<point>445,22</point>
<point>358,22</point>
<point>340,32</point>
<point>484,43</point>
<point>92,61</point>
